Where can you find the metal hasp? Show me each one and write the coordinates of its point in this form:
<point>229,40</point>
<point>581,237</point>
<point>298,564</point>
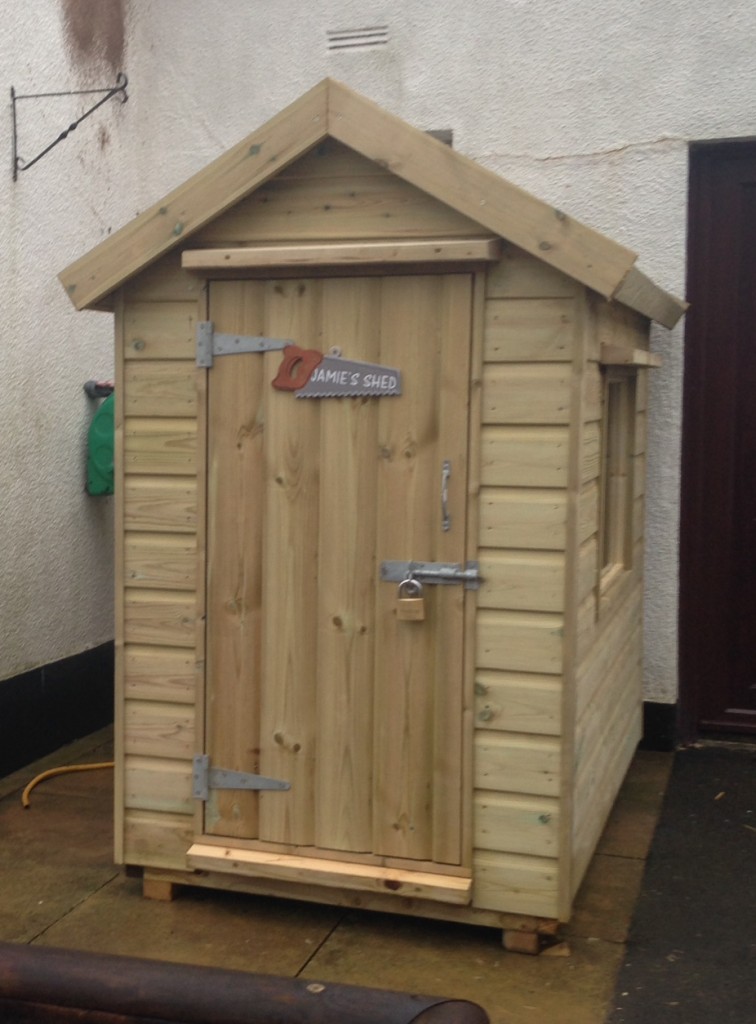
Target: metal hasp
<point>205,778</point>
<point>444,573</point>
<point>210,344</point>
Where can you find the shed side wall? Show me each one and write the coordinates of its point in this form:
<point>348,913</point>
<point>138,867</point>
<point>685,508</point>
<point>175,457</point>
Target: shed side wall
<point>608,676</point>
<point>159,592</point>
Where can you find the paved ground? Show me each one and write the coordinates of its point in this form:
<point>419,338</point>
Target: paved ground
<point>691,955</point>
<point>58,887</point>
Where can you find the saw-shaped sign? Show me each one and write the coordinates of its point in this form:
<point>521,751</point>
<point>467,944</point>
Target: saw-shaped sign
<point>310,374</point>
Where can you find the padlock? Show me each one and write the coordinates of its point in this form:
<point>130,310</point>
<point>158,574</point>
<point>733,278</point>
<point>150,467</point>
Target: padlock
<point>410,606</point>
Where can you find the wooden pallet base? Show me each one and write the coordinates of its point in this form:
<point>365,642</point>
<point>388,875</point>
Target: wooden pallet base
<point>533,943</point>
<point>520,933</point>
<point>158,889</point>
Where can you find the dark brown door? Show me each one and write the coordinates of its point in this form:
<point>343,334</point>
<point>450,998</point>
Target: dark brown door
<point>718,540</point>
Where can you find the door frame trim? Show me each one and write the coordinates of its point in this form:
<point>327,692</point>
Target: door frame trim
<point>307,255</point>
<point>478,274</point>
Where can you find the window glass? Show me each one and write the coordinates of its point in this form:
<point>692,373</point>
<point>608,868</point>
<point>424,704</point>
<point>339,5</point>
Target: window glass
<point>615,530</point>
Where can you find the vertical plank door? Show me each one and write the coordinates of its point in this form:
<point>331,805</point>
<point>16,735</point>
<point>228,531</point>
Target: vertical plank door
<point>311,677</point>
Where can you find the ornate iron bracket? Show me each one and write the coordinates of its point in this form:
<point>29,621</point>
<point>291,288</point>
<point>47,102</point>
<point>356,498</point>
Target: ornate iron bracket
<point>19,164</point>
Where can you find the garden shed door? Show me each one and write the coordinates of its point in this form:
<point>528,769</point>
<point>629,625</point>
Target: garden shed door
<point>311,678</point>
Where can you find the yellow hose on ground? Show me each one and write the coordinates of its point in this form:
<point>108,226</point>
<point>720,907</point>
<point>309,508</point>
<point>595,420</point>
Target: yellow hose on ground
<point>61,771</point>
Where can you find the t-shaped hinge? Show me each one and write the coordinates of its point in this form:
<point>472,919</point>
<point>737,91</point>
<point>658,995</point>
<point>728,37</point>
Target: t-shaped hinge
<point>210,344</point>
<point>205,778</point>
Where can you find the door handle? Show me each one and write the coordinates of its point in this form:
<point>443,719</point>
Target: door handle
<point>445,517</point>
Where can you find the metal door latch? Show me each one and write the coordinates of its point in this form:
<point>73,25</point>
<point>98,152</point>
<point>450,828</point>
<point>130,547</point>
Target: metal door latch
<point>445,573</point>
<point>205,778</point>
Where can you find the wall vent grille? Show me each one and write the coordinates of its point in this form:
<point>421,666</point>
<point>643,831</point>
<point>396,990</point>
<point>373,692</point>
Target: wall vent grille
<point>358,38</point>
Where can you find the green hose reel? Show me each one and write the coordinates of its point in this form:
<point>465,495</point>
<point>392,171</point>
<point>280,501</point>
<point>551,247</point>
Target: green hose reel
<point>100,443</point>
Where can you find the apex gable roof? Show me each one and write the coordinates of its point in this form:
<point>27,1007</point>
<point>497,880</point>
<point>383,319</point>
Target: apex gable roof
<point>333,110</point>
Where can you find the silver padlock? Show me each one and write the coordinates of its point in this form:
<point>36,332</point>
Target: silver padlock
<point>410,606</point>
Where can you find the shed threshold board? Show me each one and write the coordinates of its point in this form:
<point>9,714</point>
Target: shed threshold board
<point>343,254</point>
<point>363,877</point>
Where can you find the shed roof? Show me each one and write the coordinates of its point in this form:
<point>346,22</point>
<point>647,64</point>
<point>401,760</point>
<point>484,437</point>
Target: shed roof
<point>332,110</point>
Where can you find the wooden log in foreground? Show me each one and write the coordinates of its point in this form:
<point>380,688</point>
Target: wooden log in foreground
<point>59,985</point>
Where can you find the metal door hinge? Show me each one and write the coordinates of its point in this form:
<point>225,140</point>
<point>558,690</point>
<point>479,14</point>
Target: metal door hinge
<point>433,572</point>
<point>210,344</point>
<point>205,778</point>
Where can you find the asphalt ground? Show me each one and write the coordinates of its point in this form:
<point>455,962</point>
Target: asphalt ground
<point>690,955</point>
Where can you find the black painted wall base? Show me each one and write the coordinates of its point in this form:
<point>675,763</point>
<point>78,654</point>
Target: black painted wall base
<point>660,728</point>
<point>45,708</point>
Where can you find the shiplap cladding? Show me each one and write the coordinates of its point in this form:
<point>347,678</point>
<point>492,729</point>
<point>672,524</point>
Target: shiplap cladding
<point>528,353</point>
<point>555,691</point>
<point>158,405</point>
<point>608,671</point>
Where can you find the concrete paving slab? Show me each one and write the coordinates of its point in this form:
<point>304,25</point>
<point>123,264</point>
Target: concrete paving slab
<point>59,887</point>
<point>630,828</point>
<point>54,855</point>
<point>462,962</point>
<point>604,908</point>
<point>97,746</point>
<point>32,900</point>
<point>218,929</point>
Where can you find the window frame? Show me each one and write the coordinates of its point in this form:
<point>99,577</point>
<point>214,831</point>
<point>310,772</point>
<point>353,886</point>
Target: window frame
<point>616,475</point>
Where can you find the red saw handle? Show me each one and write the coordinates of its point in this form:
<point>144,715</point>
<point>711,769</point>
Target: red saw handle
<point>296,367</point>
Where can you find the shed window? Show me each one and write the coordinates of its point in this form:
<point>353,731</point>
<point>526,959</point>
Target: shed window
<point>618,434</point>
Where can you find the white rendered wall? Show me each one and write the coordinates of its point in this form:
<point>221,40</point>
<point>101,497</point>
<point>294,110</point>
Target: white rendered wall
<point>55,541</point>
<point>588,104</point>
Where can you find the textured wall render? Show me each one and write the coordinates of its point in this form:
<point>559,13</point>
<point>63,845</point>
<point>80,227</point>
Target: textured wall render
<point>55,541</point>
<point>589,105</point>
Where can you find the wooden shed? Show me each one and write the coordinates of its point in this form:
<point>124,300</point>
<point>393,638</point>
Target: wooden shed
<point>347,355</point>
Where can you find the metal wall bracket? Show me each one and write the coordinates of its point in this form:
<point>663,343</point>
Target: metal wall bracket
<point>205,778</point>
<point>210,344</point>
<point>19,164</point>
<point>444,573</point>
